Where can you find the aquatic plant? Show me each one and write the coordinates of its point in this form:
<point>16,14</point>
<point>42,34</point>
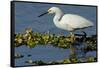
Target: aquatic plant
<point>32,39</point>
<point>18,55</point>
<point>65,61</point>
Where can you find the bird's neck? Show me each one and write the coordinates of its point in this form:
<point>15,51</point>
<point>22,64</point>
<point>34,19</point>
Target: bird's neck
<point>58,17</point>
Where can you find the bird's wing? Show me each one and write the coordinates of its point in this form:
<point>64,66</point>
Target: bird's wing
<point>76,21</point>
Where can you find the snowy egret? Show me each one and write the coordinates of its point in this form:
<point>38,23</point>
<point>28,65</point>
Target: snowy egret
<point>69,22</point>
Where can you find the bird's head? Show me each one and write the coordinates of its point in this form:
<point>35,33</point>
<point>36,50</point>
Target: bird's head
<point>51,11</point>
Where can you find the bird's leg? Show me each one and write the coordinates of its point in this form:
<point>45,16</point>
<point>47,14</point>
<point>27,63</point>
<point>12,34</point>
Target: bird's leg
<point>72,54</point>
<point>72,38</point>
<point>72,48</point>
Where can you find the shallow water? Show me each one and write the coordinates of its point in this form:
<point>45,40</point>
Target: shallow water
<point>45,53</point>
<point>26,15</point>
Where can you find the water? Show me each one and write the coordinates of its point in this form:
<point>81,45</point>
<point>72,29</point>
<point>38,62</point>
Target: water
<point>45,53</point>
<point>26,15</point>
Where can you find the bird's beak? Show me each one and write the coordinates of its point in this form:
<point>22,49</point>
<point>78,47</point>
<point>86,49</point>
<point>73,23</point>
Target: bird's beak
<point>43,14</point>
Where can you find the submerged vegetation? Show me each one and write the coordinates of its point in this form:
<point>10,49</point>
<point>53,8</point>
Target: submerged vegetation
<point>18,55</point>
<point>65,61</point>
<point>32,39</point>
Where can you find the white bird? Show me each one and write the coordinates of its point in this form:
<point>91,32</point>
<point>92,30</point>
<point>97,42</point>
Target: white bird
<point>69,22</point>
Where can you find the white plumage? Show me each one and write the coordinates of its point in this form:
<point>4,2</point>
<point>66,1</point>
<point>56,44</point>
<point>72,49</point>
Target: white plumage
<point>69,22</point>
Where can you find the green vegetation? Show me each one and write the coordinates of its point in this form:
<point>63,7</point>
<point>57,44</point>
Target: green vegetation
<point>65,61</point>
<point>32,39</point>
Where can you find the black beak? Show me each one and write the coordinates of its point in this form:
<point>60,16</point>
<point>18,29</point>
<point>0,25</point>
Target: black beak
<point>43,14</point>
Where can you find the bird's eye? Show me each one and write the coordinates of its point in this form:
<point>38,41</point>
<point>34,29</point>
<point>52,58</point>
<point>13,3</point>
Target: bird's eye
<point>49,10</point>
